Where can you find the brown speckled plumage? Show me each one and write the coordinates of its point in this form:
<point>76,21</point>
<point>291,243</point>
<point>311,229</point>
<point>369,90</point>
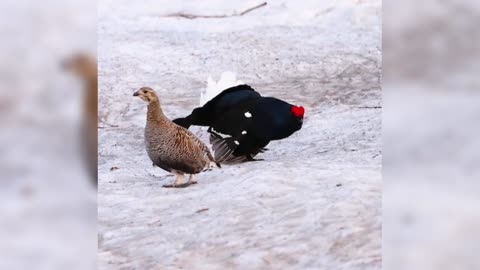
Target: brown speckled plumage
<point>169,146</point>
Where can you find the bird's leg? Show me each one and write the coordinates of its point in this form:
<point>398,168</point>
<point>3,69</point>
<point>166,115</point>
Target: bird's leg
<point>191,180</point>
<point>179,182</point>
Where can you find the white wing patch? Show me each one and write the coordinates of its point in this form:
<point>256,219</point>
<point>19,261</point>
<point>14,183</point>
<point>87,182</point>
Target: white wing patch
<point>224,136</point>
<point>227,79</point>
<point>248,114</point>
<point>236,142</point>
<point>244,132</point>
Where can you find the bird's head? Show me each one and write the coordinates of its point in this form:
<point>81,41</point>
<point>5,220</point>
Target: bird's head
<point>147,94</point>
<point>298,111</point>
<point>83,65</point>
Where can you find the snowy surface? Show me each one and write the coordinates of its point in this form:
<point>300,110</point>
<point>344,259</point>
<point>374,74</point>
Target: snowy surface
<point>313,203</point>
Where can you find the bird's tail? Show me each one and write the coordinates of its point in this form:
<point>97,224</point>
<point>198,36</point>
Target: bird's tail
<point>185,122</point>
<point>227,79</point>
<point>213,162</point>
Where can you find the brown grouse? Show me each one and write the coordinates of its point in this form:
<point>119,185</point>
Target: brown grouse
<point>172,147</point>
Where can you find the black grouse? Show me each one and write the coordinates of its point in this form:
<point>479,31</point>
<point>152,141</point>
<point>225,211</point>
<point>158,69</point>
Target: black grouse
<point>241,122</point>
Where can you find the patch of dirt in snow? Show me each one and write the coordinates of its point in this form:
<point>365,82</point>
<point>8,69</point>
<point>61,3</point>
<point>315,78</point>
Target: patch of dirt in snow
<point>287,212</point>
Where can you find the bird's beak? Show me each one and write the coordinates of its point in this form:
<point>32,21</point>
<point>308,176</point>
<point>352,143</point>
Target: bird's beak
<point>135,94</point>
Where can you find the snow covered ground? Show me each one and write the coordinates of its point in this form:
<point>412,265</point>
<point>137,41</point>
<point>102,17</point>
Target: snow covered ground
<point>313,203</point>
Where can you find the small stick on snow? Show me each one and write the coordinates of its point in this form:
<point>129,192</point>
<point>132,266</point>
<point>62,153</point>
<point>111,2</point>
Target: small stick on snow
<point>196,16</point>
<point>252,8</point>
<point>370,107</point>
<point>107,125</point>
<point>201,210</point>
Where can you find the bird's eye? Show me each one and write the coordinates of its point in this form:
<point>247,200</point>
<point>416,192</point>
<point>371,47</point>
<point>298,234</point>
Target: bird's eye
<point>144,91</point>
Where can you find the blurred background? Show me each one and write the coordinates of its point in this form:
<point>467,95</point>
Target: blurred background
<point>431,207</point>
<point>430,125</point>
<point>47,199</point>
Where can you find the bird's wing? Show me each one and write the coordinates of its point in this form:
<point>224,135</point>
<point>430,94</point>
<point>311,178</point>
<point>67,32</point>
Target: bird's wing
<point>185,153</point>
<point>222,147</point>
<point>194,142</point>
<point>227,133</point>
<point>230,98</point>
<point>225,101</point>
<point>242,87</point>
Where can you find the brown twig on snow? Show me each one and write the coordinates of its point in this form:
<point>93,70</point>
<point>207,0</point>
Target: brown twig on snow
<point>107,125</point>
<point>201,210</point>
<point>196,16</point>
<point>370,107</point>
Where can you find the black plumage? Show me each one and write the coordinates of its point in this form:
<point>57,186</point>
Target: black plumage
<point>241,122</point>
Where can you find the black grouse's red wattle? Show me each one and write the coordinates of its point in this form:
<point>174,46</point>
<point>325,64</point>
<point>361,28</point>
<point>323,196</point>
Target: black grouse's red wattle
<point>241,122</point>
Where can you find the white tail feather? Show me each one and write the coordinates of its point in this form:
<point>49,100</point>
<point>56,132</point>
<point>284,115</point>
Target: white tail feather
<point>227,80</point>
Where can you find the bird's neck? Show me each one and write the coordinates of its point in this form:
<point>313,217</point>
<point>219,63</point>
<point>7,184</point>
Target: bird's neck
<point>155,113</point>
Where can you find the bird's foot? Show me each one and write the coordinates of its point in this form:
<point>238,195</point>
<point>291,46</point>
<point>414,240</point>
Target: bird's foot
<point>191,179</point>
<point>250,158</point>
